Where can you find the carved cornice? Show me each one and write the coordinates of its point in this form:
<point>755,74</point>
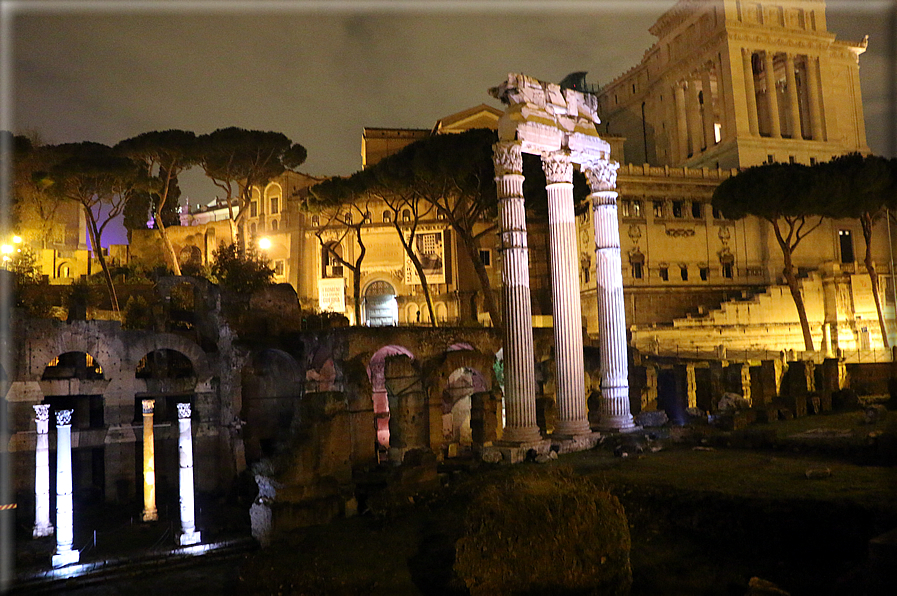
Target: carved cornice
<point>507,158</point>
<point>557,167</point>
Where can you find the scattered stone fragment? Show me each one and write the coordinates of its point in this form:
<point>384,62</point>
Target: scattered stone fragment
<point>703,449</point>
<point>818,473</point>
<point>874,414</point>
<point>732,402</point>
<point>652,418</point>
<point>762,587</point>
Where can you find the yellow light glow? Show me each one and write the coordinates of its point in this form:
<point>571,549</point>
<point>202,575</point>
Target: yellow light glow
<point>16,239</point>
<point>6,249</point>
<point>264,243</point>
<point>5,258</point>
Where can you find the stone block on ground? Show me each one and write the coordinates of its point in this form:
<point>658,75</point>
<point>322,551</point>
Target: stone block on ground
<point>545,533</point>
<point>652,418</point>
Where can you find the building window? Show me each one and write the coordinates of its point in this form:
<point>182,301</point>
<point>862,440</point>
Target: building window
<point>330,259</point>
<point>664,274</point>
<point>278,267</point>
<point>315,221</point>
<point>697,210</point>
<point>273,225</point>
<point>637,270</point>
<point>254,209</point>
<point>770,158</point>
<point>727,270</point>
<point>387,217</point>
<point>812,161</point>
<point>486,257</point>
<point>632,208</point>
<point>704,273</point>
<point>367,217</point>
<point>658,208</point>
<point>275,205</point>
<point>683,271</point>
<point>845,239</point>
<point>791,159</point>
<point>406,215</point>
<point>440,214</point>
<point>677,209</point>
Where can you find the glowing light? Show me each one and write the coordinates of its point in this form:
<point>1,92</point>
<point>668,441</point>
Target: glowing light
<point>264,243</point>
<point>5,258</point>
<point>6,249</point>
<point>16,239</point>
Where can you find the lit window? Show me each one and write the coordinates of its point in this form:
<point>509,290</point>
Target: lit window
<point>632,208</point>
<point>677,209</point>
<point>406,215</point>
<point>387,217</point>
<point>697,210</point>
<point>637,271</point>
<point>683,271</point>
<point>253,209</point>
<point>273,225</point>
<point>658,208</point>
<point>275,205</point>
<point>315,221</point>
<point>367,217</point>
<point>278,267</point>
<point>664,274</point>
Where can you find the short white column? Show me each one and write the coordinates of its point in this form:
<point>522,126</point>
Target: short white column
<point>188,534</point>
<point>750,91</point>
<point>566,307</point>
<point>772,99</point>
<point>42,525</point>
<point>615,412</point>
<point>519,368</point>
<point>149,463</point>
<point>65,554</point>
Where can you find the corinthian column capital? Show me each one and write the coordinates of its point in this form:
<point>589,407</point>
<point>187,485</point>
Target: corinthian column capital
<point>508,158</point>
<point>601,174</point>
<point>557,167</point>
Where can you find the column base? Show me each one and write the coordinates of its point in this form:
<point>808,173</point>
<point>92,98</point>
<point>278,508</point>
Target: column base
<point>618,424</point>
<point>576,443</point>
<point>42,531</point>
<point>64,558</point>
<point>149,516</point>
<point>570,429</point>
<point>521,435</point>
<point>189,538</point>
<point>513,452</point>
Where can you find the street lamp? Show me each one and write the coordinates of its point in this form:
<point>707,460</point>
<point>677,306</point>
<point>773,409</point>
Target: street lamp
<point>264,243</point>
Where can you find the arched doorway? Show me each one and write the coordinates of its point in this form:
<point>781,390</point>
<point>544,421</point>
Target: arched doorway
<point>380,306</point>
<point>461,385</point>
<point>377,376</point>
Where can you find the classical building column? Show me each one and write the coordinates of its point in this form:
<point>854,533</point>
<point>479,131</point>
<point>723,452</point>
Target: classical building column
<point>772,100</point>
<point>693,108</point>
<point>519,369</point>
<point>723,96</point>
<point>42,525</point>
<point>566,308</point>
<point>681,123</point>
<point>149,463</point>
<point>65,554</point>
<point>813,98</point>
<point>188,534</point>
<point>750,90</point>
<point>793,100</point>
<point>709,115</point>
<point>615,413</point>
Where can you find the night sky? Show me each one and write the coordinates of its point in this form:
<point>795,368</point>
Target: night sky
<point>321,71</point>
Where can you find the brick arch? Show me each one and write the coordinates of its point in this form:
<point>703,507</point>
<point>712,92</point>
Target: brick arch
<point>170,341</point>
<point>102,341</point>
<point>438,378</point>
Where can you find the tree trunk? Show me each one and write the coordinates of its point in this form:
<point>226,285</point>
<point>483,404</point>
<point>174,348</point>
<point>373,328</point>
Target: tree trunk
<point>866,221</point>
<point>356,290</point>
<point>473,253</point>
<point>791,279</point>
<point>98,251</point>
<point>409,250</point>
<point>166,242</point>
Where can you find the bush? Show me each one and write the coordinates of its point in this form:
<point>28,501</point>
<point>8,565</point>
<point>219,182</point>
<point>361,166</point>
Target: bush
<point>550,533</point>
<point>238,270</point>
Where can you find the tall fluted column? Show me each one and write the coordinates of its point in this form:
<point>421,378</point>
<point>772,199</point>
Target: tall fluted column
<point>813,91</point>
<point>693,107</point>
<point>681,124</point>
<point>188,534</point>
<point>65,537</point>
<point>772,100</point>
<point>149,463</point>
<point>519,369</point>
<point>615,413</point>
<point>709,116</point>
<point>793,101</point>
<point>566,308</point>
<point>42,525</point>
<point>750,91</point>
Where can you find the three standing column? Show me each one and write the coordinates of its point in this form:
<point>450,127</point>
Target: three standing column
<point>188,534</point>
<point>566,307</point>
<point>149,463</point>
<point>519,370</point>
<point>42,525</point>
<point>65,554</point>
<point>614,413</point>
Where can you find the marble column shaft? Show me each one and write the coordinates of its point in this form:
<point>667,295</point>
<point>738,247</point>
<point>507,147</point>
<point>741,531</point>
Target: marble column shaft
<point>615,412</point>
<point>65,538</point>
<point>681,123</point>
<point>793,100</point>
<point>149,463</point>
<point>813,98</point>
<point>750,91</point>
<point>772,99</point>
<point>188,534</point>
<point>519,367</point>
<point>566,306</point>
<point>709,116</point>
<point>695,128</point>
<point>42,525</point>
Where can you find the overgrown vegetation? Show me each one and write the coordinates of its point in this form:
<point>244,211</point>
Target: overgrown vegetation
<point>240,270</point>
